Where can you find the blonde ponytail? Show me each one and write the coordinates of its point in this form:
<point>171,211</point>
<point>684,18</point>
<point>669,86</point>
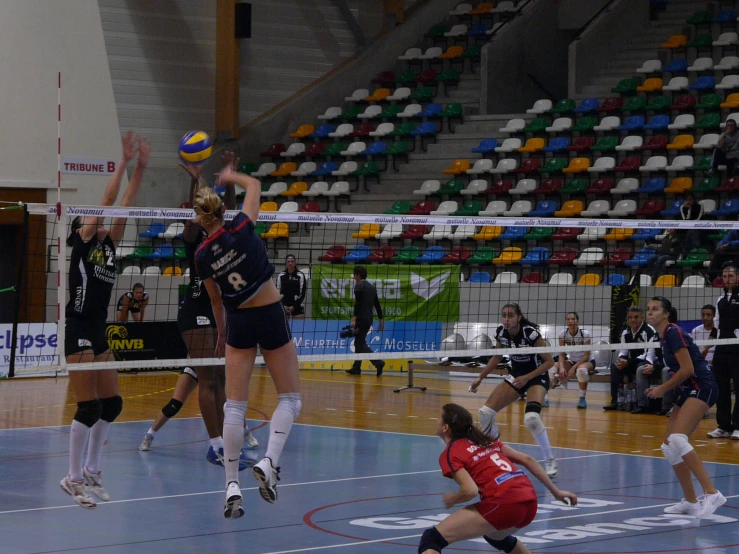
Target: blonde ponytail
<point>208,207</point>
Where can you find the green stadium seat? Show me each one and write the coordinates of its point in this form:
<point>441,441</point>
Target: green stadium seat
<point>400,207</point>
<point>708,121</point>
<point>564,106</point>
<point>703,40</point>
<point>406,77</point>
<point>606,144</point>
<point>699,18</point>
<point>659,104</point>
<point>626,86</point>
<point>538,125</point>
<point>334,149</point>
<point>351,113</point>
<point>539,233</point>
<point>422,94</point>
<point>707,185</point>
<point>390,111</point>
<point>635,104</point>
<point>407,255</point>
<point>710,101</point>
<point>585,124</point>
<point>575,186</point>
<point>471,208</point>
<point>452,188</point>
<point>704,164</point>
<point>554,165</point>
<point>695,258</point>
<point>141,252</point>
<point>483,256</point>
<point>402,130</point>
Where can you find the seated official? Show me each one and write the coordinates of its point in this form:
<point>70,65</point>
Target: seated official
<point>133,302</point>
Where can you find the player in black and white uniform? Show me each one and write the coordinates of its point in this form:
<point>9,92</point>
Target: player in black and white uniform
<point>92,275</point>
<point>133,302</point>
<point>581,363</point>
<point>528,377</point>
<point>237,274</point>
<point>197,325</point>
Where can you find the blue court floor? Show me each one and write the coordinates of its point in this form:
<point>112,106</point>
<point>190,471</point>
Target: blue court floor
<point>343,491</point>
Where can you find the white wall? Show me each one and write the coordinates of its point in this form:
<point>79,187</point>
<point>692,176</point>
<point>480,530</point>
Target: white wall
<point>38,39</point>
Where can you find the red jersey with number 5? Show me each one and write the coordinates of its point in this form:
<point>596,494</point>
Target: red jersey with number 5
<point>494,474</point>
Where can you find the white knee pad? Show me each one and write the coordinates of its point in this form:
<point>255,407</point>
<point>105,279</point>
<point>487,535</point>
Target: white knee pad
<point>487,421</point>
<point>582,375</point>
<point>234,412</point>
<point>533,423</point>
<point>670,455</point>
<point>680,444</point>
<point>290,402</point>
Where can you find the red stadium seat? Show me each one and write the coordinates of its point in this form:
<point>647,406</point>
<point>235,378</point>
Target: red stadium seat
<point>550,186</point>
<point>502,186</point>
<point>314,149</point>
<point>425,207</point>
<point>458,255</point>
<point>629,164</point>
<point>362,130</point>
<point>415,232</point>
<point>334,254</point>
<point>611,105</point>
<point>650,208</point>
<point>532,279</point>
<point>383,255</point>
<point>566,233</point>
<point>730,185</point>
<point>581,144</point>
<point>617,257</point>
<point>684,102</point>
<point>656,142</point>
<point>274,150</point>
<point>599,187</point>
<point>563,256</point>
<point>310,207</point>
<point>529,165</point>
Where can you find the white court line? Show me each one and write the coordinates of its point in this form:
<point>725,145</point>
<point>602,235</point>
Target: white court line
<point>388,539</point>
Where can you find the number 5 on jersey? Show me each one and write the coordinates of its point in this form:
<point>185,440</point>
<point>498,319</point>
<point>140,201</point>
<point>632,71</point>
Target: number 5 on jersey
<point>502,464</point>
<point>236,281</point>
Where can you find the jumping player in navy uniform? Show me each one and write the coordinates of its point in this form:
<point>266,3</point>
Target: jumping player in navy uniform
<point>697,391</point>
<point>92,275</point>
<point>237,274</point>
<point>197,325</point>
<point>134,303</point>
<point>528,377</point>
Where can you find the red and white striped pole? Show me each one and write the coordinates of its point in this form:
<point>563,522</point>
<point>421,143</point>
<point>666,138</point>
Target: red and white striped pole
<point>59,190</point>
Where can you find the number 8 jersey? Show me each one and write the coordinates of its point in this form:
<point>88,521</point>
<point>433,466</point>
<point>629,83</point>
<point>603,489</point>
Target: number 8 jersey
<point>236,259</point>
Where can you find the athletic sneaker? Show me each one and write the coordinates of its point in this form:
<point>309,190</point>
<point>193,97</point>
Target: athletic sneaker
<point>551,467</point>
<point>216,458</point>
<point>683,507</point>
<point>719,433</point>
<point>95,482</point>
<point>711,503</point>
<point>546,402</point>
<point>251,440</point>
<point>582,404</point>
<point>78,491</point>
<point>233,509</point>
<point>145,445</point>
<point>735,435</point>
<point>267,475</point>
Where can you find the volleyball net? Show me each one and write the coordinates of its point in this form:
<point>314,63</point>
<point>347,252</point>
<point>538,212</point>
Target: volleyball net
<point>441,281</point>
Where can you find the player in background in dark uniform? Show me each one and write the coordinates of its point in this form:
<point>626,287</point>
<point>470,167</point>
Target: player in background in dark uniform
<point>697,391</point>
<point>197,324</point>
<point>292,285</point>
<point>237,273</point>
<point>134,303</point>
<point>528,377</point>
<point>483,467</point>
<point>92,275</point>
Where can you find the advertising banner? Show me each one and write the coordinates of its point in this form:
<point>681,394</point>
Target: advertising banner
<point>406,293</point>
<point>148,340</point>
<point>322,337</point>
<point>36,345</point>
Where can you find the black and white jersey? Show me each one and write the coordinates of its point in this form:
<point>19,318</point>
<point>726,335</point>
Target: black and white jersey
<point>521,364</point>
<point>727,319</point>
<point>195,289</point>
<point>292,287</point>
<point>91,278</point>
<point>647,334</point>
<point>134,306</point>
<point>581,336</point>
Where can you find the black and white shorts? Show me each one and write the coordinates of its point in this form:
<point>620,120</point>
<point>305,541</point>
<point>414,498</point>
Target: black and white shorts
<point>265,326</point>
<point>82,334</point>
<point>195,312</point>
<point>541,380</point>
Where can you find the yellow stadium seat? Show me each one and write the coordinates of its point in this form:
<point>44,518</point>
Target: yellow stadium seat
<point>452,52</point>
<point>577,165</point>
<point>618,234</point>
<point>285,169</point>
<point>666,281</point>
<point>379,95</point>
<point>489,232</point>
<point>570,208</point>
<point>172,272</point>
<point>589,280</point>
<point>268,207</point>
<point>458,167</point>
<point>680,185</point>
<point>367,231</point>
<point>296,189</point>
<point>482,9</point>
<point>682,142</point>
<point>651,85</point>
<point>303,131</point>
<point>732,101</point>
<point>676,41</point>
<point>532,145</point>
<point>277,231</point>
<point>511,255</point>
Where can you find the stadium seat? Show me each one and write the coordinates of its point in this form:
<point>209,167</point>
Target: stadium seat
<point>513,233</point>
<point>695,258</point>
<point>654,163</point>
<point>656,142</point>
<point>540,107</point>
<point>728,82</point>
<point>425,207</point>
<point>479,277</point>
<point>322,132</point>
<point>731,185</point>
<point>488,232</point>
<point>647,235</point>
<point>483,256</point>
<point>557,144</point>
<point>538,125</point>
<point>458,167</point>
<point>554,165</point>
<point>539,233</point>
<point>585,124</point>
<point>486,146</point>
<point>518,208</point>
<point>410,110</point>
<point>577,165</point>
<point>591,234</point>
<point>615,280</point>
<point>532,145</point>
<point>274,151</point>
<point>608,123</point>
<point>509,145</point>
<point>295,149</point>
<point>523,187</point>
<point>653,185</point>
<point>680,185</point>
<point>590,256</point>
<point>682,142</point>
<point>727,63</point>
<point>561,279</point>
<point>332,150</point>
<point>367,231</point>
<point>659,104</point>
<point>704,164</point>
<point>173,231</point>
<point>268,207</point>
<point>611,105</point>
<point>346,168</point>
<point>135,270</point>
<point>650,66</point>
<point>730,208</point>
<point>706,142</point>
<point>575,186</point>
<point>680,163</point>
<point>562,256</point>
<point>564,106</point>
<point>506,165</point>
<point>566,233</point>
<point>154,230</point>
<point>406,255</point>
<point>641,258</point>
<point>629,164</point>
<point>375,149</point>
<point>288,207</point>
<point>332,112</point>
<point>571,208</point>
<point>509,256</point>
<point>310,207</point>
<point>276,231</point>
<point>305,168</point>
<point>606,144</point>
<point>451,188</point>
<point>581,144</point>
<point>358,254</point>
<point>531,278</point>
<point>163,252</point>
<point>457,256</point>
<point>383,255</point>
<point>339,188</point>
<point>399,207</point>
<point>515,125</point>
<point>597,208</point>
<point>560,125</point>
<point>414,232</point>
<point>616,257</point>
<point>428,188</point>
<point>476,186</point>
<point>600,187</point>
<point>701,64</point>
<point>499,187</point>
<point>626,86</point>
<point>674,210</point>
<point>676,84</point>
<point>480,167</point>
<point>275,189</point>
<point>623,208</point>
<point>651,208</point>
<point>545,208</point>
<point>550,186</point>
<point>589,280</point>
<point>303,131</point>
<point>469,209</point>
<point>718,282</point>
<point>432,255</point>
<point>439,232</point>
<point>603,164</point>
<point>675,41</point>
<point>619,234</point>
<point>462,233</point>
<point>708,121</point>
<point>666,281</point>
<point>535,257</point>
<point>676,65</point>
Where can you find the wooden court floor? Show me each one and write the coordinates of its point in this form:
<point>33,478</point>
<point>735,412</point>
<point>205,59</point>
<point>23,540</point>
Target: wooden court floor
<point>368,402</point>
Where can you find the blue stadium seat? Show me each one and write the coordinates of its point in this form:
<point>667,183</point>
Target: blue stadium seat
<point>163,252</point>
<point>322,131</point>
<point>730,208</point>
<point>673,210</point>
<point>513,233</point>
<point>652,186</point>
<point>424,129</point>
<point>646,234</point>
<point>325,169</point>
<point>557,144</point>
<point>725,16</point>
<point>545,208</point>
<point>433,254</point>
<point>486,146</point>
<point>375,149</point>
<point>641,258</point>
<point>478,30</point>
<point>358,254</point>
<point>676,65</point>
<point>658,122</point>
<point>587,105</point>
<point>431,110</point>
<point>615,279</point>
<point>479,277</point>
<point>706,82</point>
<point>536,256</point>
<point>153,231</point>
<point>632,123</point>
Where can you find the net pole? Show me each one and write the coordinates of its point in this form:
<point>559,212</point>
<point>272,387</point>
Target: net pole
<point>59,144</point>
<point>18,290</point>
<point>61,273</point>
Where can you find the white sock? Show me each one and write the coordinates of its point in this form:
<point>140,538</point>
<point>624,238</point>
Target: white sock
<point>542,440</point>
<point>98,436</point>
<point>246,425</point>
<point>233,437</point>
<point>151,432</point>
<point>77,441</point>
<point>217,443</point>
<point>582,393</point>
<point>285,414</point>
<point>487,421</point>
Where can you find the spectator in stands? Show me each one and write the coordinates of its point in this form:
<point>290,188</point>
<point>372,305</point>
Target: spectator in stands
<point>365,299</point>
<point>706,330</point>
<point>691,210</point>
<point>668,250</point>
<point>292,285</point>
<point>631,362</point>
<point>726,250</point>
<point>727,150</point>
<point>133,302</point>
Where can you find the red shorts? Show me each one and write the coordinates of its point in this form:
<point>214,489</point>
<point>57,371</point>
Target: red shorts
<point>505,516</point>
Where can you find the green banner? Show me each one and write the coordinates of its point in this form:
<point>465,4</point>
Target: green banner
<point>406,293</point>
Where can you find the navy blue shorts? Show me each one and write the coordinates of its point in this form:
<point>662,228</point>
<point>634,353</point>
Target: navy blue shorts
<point>265,326</point>
<point>702,389</point>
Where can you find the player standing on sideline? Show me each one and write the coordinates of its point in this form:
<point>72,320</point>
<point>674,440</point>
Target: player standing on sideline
<point>92,274</point>
<point>528,377</point>
<point>576,363</point>
<point>233,263</point>
<point>696,393</point>
<point>197,325</point>
<point>134,303</point>
<point>483,468</point>
<point>292,285</point>
<point>706,330</point>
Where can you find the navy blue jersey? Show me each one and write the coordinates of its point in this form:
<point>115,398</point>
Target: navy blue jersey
<point>673,339</point>
<point>521,364</point>
<point>236,259</point>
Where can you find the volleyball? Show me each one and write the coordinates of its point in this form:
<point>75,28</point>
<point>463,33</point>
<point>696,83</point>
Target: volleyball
<point>195,147</point>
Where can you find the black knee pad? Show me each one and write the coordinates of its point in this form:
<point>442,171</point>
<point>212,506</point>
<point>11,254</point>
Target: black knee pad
<point>432,539</point>
<point>171,409</point>
<point>533,407</point>
<point>88,412</point>
<point>506,545</point>
<point>111,408</point>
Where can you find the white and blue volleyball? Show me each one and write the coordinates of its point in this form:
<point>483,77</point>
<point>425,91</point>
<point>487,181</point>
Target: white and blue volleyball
<point>195,147</point>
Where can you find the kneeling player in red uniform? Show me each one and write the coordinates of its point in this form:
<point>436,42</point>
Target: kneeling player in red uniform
<point>483,466</point>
